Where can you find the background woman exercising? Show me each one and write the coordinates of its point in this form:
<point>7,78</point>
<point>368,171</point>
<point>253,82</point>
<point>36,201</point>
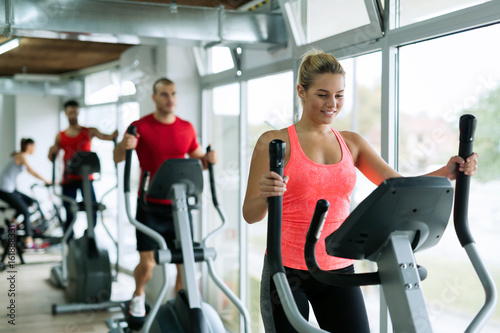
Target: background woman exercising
<point>8,192</point>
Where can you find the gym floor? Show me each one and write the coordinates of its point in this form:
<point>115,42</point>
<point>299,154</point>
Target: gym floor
<point>33,294</point>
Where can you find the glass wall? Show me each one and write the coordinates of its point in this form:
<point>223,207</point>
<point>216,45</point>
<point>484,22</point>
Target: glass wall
<point>102,87</point>
<point>221,59</point>
<point>107,117</point>
<point>104,118</point>
<point>411,11</point>
<point>129,257</point>
<point>361,110</point>
<point>439,81</point>
<point>361,114</point>
<point>270,107</point>
<point>314,20</point>
<point>225,136</point>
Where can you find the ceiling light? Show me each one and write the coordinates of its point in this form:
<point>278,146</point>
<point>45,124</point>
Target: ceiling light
<point>7,46</point>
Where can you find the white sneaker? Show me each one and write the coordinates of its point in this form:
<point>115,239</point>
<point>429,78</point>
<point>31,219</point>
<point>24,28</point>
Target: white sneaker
<point>137,306</point>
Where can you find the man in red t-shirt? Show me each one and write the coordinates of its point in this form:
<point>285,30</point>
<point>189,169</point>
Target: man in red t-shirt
<point>75,138</point>
<point>160,135</point>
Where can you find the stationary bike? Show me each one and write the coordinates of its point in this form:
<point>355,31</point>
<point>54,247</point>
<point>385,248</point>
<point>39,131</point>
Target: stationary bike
<point>85,271</point>
<point>178,180</point>
<point>402,216</point>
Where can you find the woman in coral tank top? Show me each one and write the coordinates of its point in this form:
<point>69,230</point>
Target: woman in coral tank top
<point>320,163</point>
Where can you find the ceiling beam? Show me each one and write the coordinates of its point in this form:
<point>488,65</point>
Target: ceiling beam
<point>140,23</point>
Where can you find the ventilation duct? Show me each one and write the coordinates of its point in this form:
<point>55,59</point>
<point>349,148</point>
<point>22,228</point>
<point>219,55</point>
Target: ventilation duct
<point>68,88</point>
<point>131,22</point>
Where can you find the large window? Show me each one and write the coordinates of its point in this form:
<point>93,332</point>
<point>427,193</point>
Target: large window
<point>405,90</point>
<point>411,11</point>
<point>103,118</point>
<point>349,22</point>
<point>129,257</point>
<point>361,111</point>
<point>225,132</point>
<point>220,59</point>
<point>102,87</point>
<point>439,81</point>
<point>270,106</point>
<point>361,114</point>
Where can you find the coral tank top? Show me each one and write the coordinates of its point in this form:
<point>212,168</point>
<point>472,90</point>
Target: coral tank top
<point>310,181</point>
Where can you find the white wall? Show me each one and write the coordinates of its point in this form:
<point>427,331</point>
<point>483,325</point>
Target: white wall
<point>36,117</point>
<point>174,62</point>
<point>7,127</point>
<point>138,64</point>
<point>181,68</point>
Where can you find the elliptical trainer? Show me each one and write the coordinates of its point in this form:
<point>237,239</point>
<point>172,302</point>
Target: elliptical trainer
<point>177,180</point>
<point>85,271</point>
<point>401,216</point>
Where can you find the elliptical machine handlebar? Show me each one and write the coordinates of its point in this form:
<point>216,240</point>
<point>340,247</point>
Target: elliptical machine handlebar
<point>222,215</point>
<point>68,227</point>
<point>210,265</point>
<point>53,159</point>
<point>126,189</point>
<point>277,163</point>
<point>144,229</point>
<point>277,149</point>
<point>460,216</point>
<point>128,162</point>
<point>339,279</point>
<point>212,180</point>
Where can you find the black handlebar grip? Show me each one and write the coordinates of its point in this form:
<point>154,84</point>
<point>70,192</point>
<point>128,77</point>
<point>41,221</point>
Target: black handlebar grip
<point>277,150</point>
<point>212,180</point>
<point>275,204</point>
<point>143,189</point>
<point>312,237</point>
<point>328,277</point>
<point>53,156</point>
<point>461,207</point>
<point>318,220</point>
<point>128,162</point>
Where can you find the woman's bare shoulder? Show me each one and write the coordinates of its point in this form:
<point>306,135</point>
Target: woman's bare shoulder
<point>269,136</point>
<point>351,138</point>
<point>20,159</point>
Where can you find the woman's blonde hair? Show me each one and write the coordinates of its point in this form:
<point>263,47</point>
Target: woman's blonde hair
<point>314,63</point>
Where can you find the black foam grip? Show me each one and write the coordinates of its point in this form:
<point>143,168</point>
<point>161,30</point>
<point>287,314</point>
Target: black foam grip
<point>321,209</point>
<point>462,187</point>
<point>328,277</point>
<point>275,204</point>
<point>212,180</point>
<point>128,162</point>
<point>53,169</point>
<point>143,189</point>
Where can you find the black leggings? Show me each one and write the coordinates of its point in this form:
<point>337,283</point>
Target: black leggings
<point>337,309</point>
<point>20,202</point>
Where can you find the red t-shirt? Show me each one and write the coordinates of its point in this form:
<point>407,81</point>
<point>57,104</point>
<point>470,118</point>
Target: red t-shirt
<point>158,142</point>
<point>72,144</point>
